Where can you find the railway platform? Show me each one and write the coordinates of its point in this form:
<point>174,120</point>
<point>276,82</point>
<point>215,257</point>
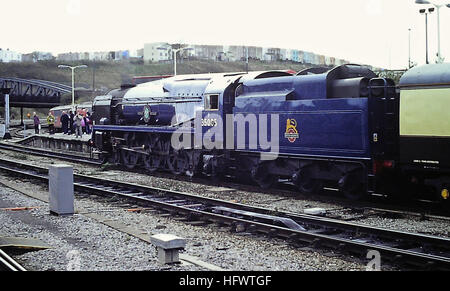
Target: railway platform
<point>58,141</point>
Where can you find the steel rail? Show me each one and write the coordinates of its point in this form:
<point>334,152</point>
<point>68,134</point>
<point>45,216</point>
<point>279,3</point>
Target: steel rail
<point>420,212</point>
<point>50,154</point>
<point>418,250</point>
<point>9,264</point>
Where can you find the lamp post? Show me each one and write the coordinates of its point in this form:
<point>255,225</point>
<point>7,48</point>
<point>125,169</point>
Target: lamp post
<point>409,48</point>
<point>73,80</point>
<point>424,11</point>
<point>175,51</point>
<point>438,6</point>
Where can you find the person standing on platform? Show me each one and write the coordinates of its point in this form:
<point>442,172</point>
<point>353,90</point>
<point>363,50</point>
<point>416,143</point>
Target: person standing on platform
<point>77,120</point>
<point>51,123</point>
<point>71,127</point>
<point>64,122</point>
<point>37,123</point>
<point>83,124</point>
<point>88,123</point>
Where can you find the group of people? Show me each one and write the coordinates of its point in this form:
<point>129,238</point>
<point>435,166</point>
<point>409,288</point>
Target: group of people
<point>76,123</point>
<point>71,123</point>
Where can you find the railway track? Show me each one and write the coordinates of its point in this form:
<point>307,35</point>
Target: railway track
<point>415,251</point>
<point>9,264</point>
<point>51,154</point>
<point>376,205</point>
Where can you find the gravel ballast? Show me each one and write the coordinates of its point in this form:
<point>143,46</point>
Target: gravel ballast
<point>96,246</point>
<point>230,251</point>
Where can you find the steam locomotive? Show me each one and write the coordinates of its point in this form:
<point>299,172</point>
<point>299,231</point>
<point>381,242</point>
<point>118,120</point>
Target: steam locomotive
<point>345,128</point>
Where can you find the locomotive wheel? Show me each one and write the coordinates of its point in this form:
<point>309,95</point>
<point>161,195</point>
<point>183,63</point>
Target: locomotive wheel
<point>261,176</point>
<point>178,162</point>
<point>130,159</point>
<point>268,182</point>
<point>103,158</point>
<point>116,157</point>
<point>306,183</point>
<point>153,160</point>
<point>351,187</point>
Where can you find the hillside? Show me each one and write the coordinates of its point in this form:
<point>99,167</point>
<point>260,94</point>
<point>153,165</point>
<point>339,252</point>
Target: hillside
<point>110,75</point>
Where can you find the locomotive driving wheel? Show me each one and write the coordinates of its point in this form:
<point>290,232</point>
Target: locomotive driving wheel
<point>129,158</point>
<point>152,160</point>
<point>178,161</point>
<point>116,157</point>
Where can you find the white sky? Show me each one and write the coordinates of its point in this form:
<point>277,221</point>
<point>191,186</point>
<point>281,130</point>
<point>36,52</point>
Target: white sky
<point>363,31</point>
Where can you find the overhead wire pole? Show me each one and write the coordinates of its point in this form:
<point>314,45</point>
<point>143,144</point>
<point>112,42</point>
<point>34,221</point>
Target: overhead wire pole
<point>73,80</point>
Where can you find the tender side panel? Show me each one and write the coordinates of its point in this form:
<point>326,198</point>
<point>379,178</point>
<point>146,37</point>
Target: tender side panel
<point>328,128</point>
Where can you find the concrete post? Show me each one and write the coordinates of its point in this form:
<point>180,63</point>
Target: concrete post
<point>61,198</point>
<point>5,92</point>
<point>168,246</point>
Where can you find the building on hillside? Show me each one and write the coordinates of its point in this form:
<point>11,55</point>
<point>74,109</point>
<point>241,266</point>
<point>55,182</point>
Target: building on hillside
<point>271,54</point>
<point>28,58</point>
<point>292,55</point>
<point>288,55</point>
<point>120,55</point>
<point>68,57</point>
<point>136,55</point>
<point>84,56</point>
<point>283,55</point>
<point>316,60</point>
<point>301,56</point>
<point>235,52</point>
<point>37,56</point>
<point>321,60</point>
<point>157,52</point>
<point>98,56</point>
<point>255,52</point>
<point>207,52</point>
<point>330,61</point>
<point>140,53</point>
<point>7,56</point>
<point>308,58</point>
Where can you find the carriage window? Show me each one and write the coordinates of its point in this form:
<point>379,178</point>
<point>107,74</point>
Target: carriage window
<point>212,102</point>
